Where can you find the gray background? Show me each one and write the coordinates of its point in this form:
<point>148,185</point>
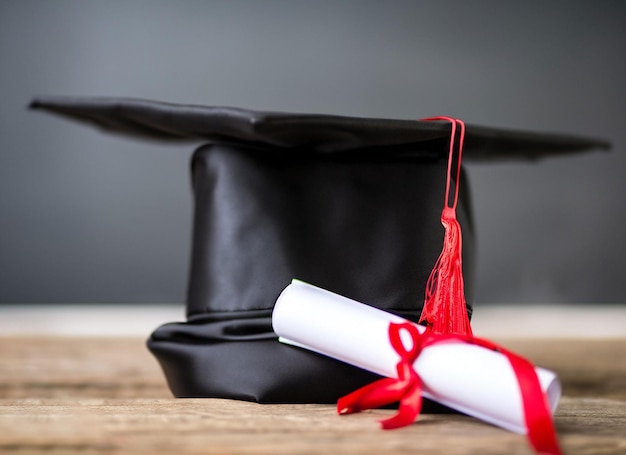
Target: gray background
<point>86,217</point>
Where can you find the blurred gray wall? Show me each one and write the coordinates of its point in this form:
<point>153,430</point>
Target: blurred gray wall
<point>86,217</point>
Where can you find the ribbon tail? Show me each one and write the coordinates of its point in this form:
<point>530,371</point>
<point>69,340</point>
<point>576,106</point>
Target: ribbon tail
<point>541,433</point>
<point>374,395</point>
<point>541,430</point>
<point>409,409</point>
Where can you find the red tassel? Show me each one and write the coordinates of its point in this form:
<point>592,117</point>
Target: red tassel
<point>445,310</point>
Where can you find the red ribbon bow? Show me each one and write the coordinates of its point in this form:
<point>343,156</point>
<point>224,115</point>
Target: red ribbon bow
<point>407,388</point>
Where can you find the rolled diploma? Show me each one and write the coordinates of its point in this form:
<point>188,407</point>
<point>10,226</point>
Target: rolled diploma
<point>471,379</point>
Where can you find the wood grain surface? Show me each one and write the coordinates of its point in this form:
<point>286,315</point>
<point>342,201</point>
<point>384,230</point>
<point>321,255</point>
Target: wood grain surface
<point>108,396</point>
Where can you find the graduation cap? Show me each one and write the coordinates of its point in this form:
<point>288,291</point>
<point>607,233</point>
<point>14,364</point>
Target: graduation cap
<point>350,204</point>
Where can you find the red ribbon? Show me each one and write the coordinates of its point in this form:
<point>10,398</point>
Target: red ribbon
<point>407,388</point>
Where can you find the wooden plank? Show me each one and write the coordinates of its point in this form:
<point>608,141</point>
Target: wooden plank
<point>48,367</point>
<point>155,426</point>
<point>108,396</point>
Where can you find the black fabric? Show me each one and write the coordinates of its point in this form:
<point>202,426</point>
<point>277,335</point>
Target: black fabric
<point>240,358</point>
<point>287,132</point>
<point>352,205</point>
<point>237,356</point>
<point>368,230</point>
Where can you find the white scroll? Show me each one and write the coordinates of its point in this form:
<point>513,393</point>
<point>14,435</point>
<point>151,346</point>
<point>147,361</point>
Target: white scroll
<point>471,379</point>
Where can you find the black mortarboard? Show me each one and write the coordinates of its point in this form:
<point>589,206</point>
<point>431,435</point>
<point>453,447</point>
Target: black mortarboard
<point>349,204</point>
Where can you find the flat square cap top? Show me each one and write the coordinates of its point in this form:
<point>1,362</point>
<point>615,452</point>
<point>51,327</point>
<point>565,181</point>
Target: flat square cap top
<point>315,133</point>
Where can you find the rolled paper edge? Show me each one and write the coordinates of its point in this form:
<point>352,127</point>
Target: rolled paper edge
<point>550,385</point>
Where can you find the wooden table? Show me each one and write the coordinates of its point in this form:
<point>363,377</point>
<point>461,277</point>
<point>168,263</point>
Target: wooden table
<point>67,395</point>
